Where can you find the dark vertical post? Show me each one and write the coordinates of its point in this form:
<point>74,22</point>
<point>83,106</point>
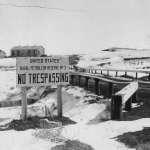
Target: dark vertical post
<point>79,80</point>
<point>136,76</point>
<point>116,107</point>
<point>116,73</point>
<point>110,86</point>
<point>86,83</point>
<point>101,72</point>
<point>76,80</point>
<point>24,103</point>
<point>59,100</point>
<point>149,77</point>
<point>96,87</point>
<point>101,88</point>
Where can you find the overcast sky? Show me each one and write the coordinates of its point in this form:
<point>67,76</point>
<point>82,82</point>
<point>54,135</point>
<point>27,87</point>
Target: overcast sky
<point>76,26</point>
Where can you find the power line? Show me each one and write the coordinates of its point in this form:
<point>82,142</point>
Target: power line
<point>38,6</point>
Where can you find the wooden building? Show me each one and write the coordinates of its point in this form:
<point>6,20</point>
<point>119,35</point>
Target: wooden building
<point>27,51</point>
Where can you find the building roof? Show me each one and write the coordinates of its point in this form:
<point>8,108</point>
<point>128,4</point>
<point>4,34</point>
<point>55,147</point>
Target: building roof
<point>27,47</point>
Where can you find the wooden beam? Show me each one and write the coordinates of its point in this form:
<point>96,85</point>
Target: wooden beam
<point>121,99</point>
<point>128,91</point>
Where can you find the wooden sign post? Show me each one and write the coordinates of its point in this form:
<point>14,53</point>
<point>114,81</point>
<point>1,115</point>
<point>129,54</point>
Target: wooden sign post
<point>59,100</point>
<point>42,71</point>
<point>24,104</point>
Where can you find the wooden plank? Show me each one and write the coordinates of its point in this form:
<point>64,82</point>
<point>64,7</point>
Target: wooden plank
<point>128,91</point>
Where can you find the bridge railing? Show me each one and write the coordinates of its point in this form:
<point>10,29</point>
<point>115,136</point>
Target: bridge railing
<point>134,73</point>
<point>120,70</point>
<point>122,100</point>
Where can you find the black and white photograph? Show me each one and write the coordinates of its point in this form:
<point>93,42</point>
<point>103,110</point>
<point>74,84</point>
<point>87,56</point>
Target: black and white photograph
<point>74,74</point>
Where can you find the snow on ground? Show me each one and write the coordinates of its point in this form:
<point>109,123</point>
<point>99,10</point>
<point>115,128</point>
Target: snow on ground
<point>102,135</point>
<point>114,59</point>
<point>99,135</point>
<point>8,62</point>
<point>83,112</point>
<point>7,77</point>
<point>22,140</point>
<point>76,91</point>
<point>7,83</point>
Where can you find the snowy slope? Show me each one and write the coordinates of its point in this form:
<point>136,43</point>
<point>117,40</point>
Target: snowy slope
<point>115,59</point>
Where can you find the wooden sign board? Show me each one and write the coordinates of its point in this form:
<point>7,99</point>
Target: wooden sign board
<point>42,71</point>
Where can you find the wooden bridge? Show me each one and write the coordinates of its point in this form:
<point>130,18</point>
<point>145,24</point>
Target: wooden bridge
<point>103,82</point>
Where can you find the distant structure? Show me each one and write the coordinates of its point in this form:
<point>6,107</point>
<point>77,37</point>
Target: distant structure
<point>113,49</point>
<point>2,54</point>
<point>27,51</point>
